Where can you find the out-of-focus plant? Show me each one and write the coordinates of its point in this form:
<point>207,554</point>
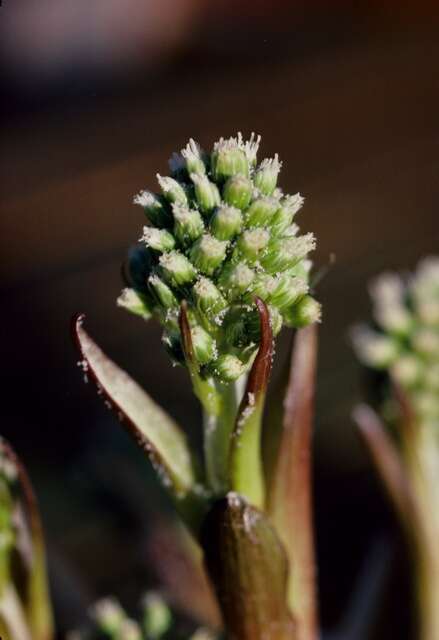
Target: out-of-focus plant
<point>109,619</point>
<point>222,266</point>
<point>404,345</point>
<point>25,610</point>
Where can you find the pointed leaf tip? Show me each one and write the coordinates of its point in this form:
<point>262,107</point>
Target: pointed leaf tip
<point>151,427</point>
<point>245,459</point>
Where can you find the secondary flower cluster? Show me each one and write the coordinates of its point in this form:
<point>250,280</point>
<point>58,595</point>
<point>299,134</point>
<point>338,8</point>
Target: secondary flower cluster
<point>406,338</point>
<point>219,234</point>
<point>111,621</point>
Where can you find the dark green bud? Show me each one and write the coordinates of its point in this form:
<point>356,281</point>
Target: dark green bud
<point>265,178</point>
<point>208,253</point>
<point>177,269</point>
<point>226,222</point>
<point>188,224</point>
<point>162,293</point>
<point>227,368</point>
<point>260,212</point>
<point>206,192</point>
<point>204,345</point>
<point>237,192</point>
<point>253,324</point>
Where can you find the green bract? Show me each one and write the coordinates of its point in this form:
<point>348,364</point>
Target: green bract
<point>220,233</point>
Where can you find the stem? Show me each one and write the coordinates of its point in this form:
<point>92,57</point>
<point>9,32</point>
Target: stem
<point>421,451</point>
<point>218,428</point>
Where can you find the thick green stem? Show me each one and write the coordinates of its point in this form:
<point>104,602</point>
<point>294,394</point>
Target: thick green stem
<point>218,427</point>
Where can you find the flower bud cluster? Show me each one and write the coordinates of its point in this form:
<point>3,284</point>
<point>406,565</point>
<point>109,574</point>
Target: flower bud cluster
<point>405,340</point>
<point>218,234</point>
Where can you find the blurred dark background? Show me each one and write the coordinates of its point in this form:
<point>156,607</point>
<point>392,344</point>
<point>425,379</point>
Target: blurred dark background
<point>95,97</point>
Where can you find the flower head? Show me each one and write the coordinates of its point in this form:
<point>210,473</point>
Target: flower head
<point>406,338</point>
<point>220,233</point>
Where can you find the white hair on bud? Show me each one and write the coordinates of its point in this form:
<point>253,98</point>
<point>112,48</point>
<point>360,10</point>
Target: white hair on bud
<point>145,199</point>
<point>192,150</point>
<point>272,164</point>
<point>294,202</point>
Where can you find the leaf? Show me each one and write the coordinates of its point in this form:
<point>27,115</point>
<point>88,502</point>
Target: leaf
<point>151,427</point>
<point>246,471</point>
<point>248,567</point>
<point>290,497</point>
<point>34,593</point>
<point>388,462</point>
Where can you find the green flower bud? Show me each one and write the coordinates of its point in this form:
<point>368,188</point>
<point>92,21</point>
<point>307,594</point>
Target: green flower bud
<point>284,216</point>
<point>134,303</point>
<point>252,243</point>
<point>194,158</point>
<point>407,370</point>
<point>281,290</point>
<point>305,312</point>
<point>250,147</point>
<point>154,207</point>
<point>284,253</point>
<point>253,323</point>
<point>235,279</point>
<point>236,326</point>
<point>157,617</point>
<point>177,269</point>
<point>238,192</point>
<point>373,348</point>
<point>265,178</point>
<point>226,222</point>
<point>188,224</point>
<point>260,212</point>
<point>162,293</point>
<point>108,615</point>
<point>227,368</point>
<point>158,239</point>
<point>228,159</point>
<point>204,345</point>
<point>208,298</point>
<point>189,160</point>
<point>206,192</point>
<point>208,253</point>
<point>172,190</point>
